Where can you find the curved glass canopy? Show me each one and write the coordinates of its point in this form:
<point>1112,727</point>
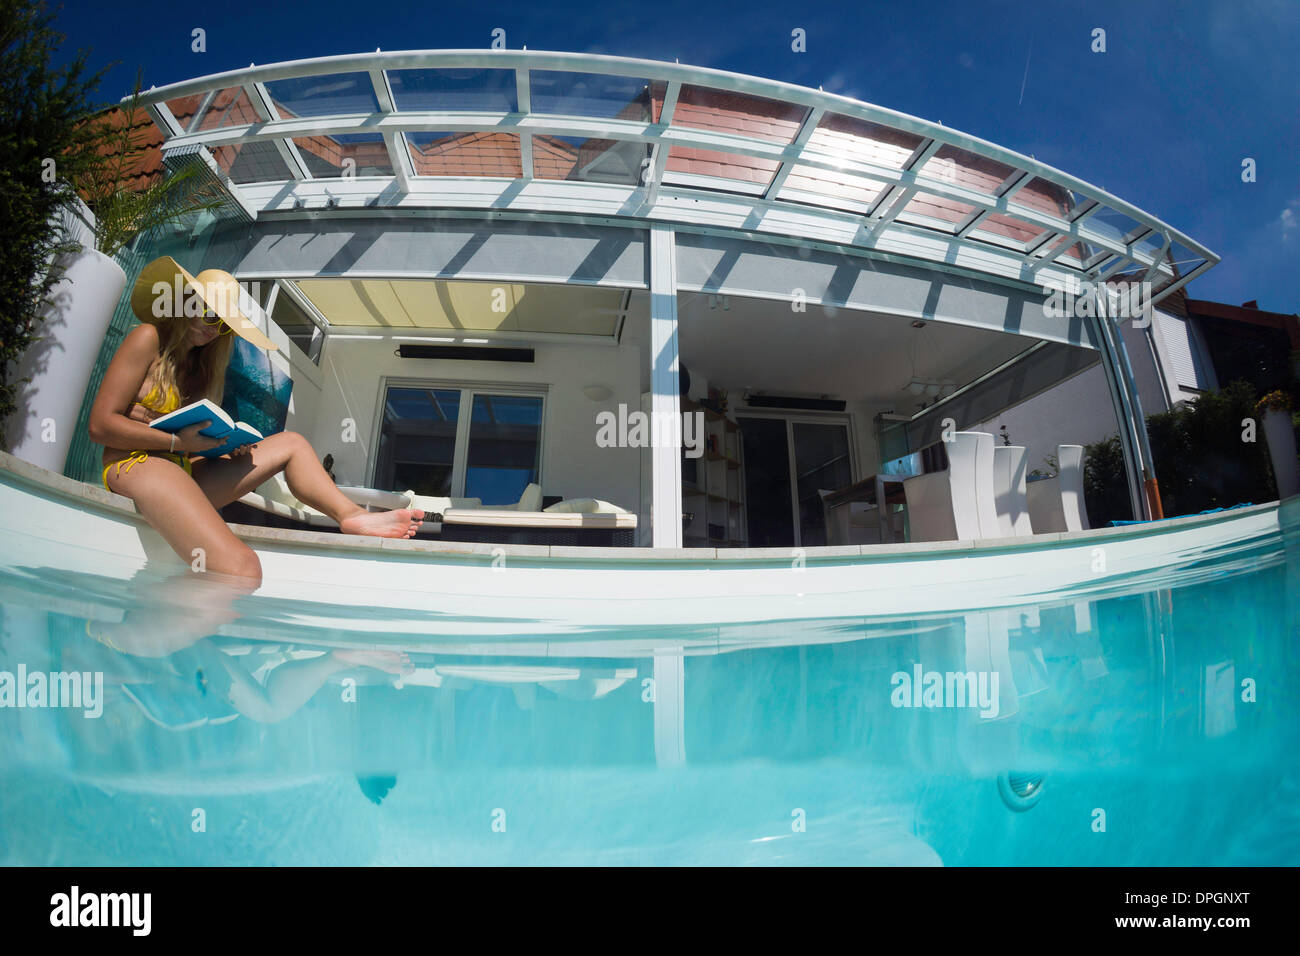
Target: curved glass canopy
<point>600,138</point>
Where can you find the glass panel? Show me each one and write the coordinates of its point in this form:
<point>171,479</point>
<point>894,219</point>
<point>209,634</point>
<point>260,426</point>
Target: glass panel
<point>966,169</point>
<point>505,442</point>
<point>230,107</point>
<point>184,108</point>
<point>470,89</point>
<point>257,162</point>
<point>589,160</point>
<point>1045,197</point>
<point>465,154</point>
<point>706,162</point>
<point>1110,223</point>
<point>296,324</point>
<point>1150,245</point>
<point>821,460</point>
<point>1073,255</point>
<point>326,156</point>
<point>1006,231</point>
<point>417,441</point>
<point>846,138</point>
<point>767,483</point>
<point>327,95</point>
<point>725,112</point>
<point>1181,260</point>
<point>828,187</point>
<point>590,94</point>
<point>929,206</point>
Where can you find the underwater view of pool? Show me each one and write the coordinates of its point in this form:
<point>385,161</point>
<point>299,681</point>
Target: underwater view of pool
<point>1152,724</point>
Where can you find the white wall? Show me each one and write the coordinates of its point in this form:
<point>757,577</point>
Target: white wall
<point>1079,410</point>
<point>573,466</point>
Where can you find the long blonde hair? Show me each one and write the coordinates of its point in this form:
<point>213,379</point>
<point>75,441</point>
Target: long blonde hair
<point>206,363</point>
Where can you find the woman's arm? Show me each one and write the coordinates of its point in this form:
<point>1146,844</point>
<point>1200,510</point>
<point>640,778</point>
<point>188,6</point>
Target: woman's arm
<point>109,424</point>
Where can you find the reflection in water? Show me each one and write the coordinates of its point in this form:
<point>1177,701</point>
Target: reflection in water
<point>792,741</point>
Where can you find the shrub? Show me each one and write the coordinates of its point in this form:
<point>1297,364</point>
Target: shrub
<point>1200,458</point>
<point>45,145</point>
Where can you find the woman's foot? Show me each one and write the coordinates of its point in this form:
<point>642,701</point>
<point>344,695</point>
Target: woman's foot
<point>400,523</point>
<point>392,662</point>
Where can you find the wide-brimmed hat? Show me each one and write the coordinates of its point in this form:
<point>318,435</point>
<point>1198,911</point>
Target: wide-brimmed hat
<point>165,290</point>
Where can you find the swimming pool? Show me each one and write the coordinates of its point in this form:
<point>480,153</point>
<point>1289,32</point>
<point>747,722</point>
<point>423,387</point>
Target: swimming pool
<point>1155,723</point>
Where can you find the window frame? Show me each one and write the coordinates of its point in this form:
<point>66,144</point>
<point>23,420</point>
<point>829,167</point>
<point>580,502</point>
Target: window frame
<point>464,420</point>
<point>791,417</point>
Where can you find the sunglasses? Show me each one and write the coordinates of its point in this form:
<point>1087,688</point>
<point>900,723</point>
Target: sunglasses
<point>216,320</point>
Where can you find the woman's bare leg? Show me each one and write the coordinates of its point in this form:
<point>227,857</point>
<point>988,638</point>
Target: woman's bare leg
<point>188,605</point>
<point>228,479</point>
<point>293,683</point>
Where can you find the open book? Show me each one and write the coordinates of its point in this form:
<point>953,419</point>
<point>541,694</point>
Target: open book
<point>234,434</point>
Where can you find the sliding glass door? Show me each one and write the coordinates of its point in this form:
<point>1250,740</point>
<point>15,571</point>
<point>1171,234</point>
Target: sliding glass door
<point>459,442</point>
<point>787,463</point>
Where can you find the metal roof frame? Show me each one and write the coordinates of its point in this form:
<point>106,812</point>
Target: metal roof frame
<point>690,199</point>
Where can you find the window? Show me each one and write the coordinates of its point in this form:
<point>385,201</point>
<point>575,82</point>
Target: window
<point>505,441</point>
<point>294,321</point>
<point>460,442</point>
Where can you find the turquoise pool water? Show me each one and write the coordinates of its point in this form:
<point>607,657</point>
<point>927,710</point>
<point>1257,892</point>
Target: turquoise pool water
<point>1156,724</point>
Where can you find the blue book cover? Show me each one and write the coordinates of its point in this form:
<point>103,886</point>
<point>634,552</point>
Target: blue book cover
<point>236,434</point>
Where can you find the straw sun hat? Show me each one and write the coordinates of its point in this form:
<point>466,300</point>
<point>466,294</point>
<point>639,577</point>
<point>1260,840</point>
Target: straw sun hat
<point>166,290</point>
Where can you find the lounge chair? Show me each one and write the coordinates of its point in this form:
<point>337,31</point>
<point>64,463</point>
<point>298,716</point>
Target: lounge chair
<point>273,503</point>
<point>575,521</point>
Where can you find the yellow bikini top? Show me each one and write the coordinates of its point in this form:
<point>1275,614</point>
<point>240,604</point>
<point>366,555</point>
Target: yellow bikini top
<point>152,401</point>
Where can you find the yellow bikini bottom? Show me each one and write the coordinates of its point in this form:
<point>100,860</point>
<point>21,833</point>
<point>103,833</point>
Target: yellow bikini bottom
<point>138,456</point>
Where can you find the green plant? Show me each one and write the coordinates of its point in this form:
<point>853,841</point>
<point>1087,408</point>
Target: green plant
<point>1201,458</point>
<point>45,145</point>
<point>1105,488</point>
<point>121,211</point>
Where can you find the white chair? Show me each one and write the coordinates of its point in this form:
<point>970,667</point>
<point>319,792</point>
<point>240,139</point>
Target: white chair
<point>956,504</point>
<point>1009,490</point>
<point>1056,504</point>
<point>855,522</point>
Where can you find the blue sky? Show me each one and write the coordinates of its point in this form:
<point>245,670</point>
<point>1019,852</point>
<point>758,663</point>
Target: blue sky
<point>1162,119</point>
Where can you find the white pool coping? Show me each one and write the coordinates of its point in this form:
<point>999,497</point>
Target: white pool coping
<point>83,495</point>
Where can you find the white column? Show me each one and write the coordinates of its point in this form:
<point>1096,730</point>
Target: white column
<point>665,401</point>
<point>670,707</point>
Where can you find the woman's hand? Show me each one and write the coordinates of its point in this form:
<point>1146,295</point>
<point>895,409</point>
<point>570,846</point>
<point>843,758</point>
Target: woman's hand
<point>189,440</point>
<point>242,450</point>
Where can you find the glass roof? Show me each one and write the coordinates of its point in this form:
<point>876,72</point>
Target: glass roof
<point>744,147</point>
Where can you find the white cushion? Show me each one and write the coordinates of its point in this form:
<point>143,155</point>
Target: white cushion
<point>530,500</point>
<point>305,515</point>
<point>509,518</point>
<point>433,504</point>
<point>588,506</point>
<point>276,489</point>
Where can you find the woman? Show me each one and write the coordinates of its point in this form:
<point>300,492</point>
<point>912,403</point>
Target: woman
<point>177,356</point>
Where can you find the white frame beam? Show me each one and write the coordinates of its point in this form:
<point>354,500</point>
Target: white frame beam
<point>878,228</point>
<point>665,395</point>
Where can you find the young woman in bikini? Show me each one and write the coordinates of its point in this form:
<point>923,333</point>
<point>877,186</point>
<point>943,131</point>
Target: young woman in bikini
<point>178,356</point>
